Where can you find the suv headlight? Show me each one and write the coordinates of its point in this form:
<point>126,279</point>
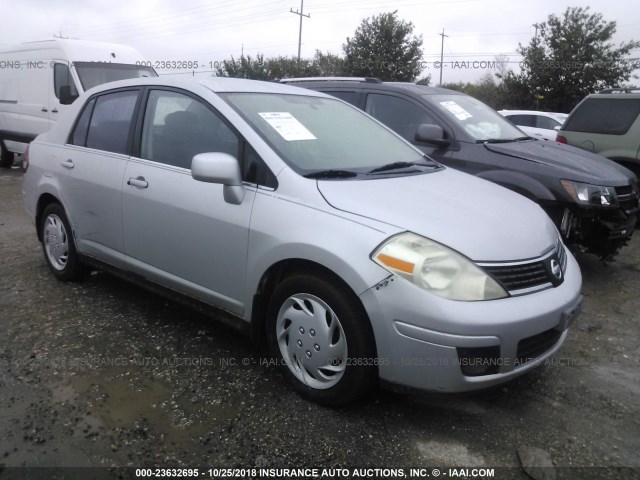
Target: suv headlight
<point>587,194</point>
<point>436,268</point>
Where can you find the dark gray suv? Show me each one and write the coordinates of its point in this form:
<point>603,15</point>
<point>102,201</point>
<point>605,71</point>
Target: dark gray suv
<point>592,200</point>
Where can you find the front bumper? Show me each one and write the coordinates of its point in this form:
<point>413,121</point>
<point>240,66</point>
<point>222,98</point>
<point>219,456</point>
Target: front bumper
<point>602,231</point>
<point>429,343</point>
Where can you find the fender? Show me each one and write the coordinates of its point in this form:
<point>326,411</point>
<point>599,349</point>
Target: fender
<point>519,183</point>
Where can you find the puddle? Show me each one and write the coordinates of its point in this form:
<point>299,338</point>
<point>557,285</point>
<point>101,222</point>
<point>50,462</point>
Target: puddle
<point>118,400</point>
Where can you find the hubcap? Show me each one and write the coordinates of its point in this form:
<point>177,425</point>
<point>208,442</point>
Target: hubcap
<point>311,341</point>
<point>56,243</point>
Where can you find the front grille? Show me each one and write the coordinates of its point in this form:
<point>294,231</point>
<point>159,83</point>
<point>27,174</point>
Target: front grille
<point>519,278</point>
<point>627,198</point>
<point>532,347</point>
<point>625,190</point>
<point>562,257</point>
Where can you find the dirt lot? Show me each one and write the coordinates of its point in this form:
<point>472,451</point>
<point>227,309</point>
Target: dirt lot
<point>102,373</point>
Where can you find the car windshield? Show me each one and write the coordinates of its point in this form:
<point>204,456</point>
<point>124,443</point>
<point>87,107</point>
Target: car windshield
<point>92,74</point>
<point>325,136</point>
<point>478,120</point>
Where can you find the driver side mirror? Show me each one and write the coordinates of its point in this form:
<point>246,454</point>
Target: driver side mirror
<point>66,97</point>
<point>433,134</point>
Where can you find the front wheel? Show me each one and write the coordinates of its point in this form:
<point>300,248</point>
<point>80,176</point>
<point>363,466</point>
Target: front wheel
<point>322,339</point>
<point>6,157</point>
<point>58,245</point>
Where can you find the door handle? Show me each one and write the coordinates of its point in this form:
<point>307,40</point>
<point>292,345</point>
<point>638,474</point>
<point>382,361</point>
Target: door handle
<point>44,109</point>
<point>55,110</point>
<point>68,164</point>
<point>138,182</point>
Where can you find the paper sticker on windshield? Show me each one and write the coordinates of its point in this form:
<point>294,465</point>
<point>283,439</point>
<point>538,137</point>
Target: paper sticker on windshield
<point>459,112</point>
<point>287,126</point>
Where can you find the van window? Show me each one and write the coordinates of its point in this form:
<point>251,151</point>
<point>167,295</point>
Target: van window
<point>609,116</point>
<point>177,127</point>
<point>398,114</point>
<point>79,135</point>
<point>62,77</point>
<point>111,121</point>
<point>92,74</point>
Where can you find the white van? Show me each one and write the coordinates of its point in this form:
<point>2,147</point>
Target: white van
<point>39,79</point>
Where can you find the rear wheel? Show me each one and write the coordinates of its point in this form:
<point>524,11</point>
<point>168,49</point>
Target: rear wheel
<point>58,245</point>
<point>6,157</point>
<point>322,339</point>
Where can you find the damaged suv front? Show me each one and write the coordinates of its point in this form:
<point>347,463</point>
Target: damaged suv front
<point>600,218</point>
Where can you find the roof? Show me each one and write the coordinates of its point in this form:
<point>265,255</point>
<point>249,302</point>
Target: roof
<point>555,115</point>
<point>370,82</point>
<point>215,84</point>
<point>80,50</point>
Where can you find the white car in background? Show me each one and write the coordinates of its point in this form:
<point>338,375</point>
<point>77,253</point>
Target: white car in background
<point>541,125</point>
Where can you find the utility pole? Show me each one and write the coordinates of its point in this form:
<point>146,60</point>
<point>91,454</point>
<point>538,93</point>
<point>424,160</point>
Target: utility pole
<point>536,26</point>
<point>441,54</point>
<point>301,14</point>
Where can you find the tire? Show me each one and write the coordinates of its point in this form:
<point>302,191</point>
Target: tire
<point>58,244</point>
<point>6,157</point>
<point>321,339</point>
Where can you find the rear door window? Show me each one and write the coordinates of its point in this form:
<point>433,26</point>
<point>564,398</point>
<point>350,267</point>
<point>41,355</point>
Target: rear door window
<point>523,120</point>
<point>546,122</point>
<point>609,116</point>
<point>346,95</point>
<point>110,124</point>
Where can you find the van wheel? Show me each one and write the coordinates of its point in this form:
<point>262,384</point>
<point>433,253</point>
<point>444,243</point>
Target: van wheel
<point>58,245</point>
<point>321,339</point>
<point>6,157</point>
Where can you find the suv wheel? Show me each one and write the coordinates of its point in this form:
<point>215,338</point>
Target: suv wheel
<point>6,157</point>
<point>58,244</point>
<point>322,341</point>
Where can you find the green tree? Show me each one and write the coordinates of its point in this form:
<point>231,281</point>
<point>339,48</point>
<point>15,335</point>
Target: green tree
<point>573,56</point>
<point>329,65</point>
<point>384,46</point>
<point>275,68</point>
<point>244,67</point>
<point>486,90</point>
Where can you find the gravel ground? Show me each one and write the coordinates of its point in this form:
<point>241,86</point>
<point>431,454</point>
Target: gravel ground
<point>103,373</point>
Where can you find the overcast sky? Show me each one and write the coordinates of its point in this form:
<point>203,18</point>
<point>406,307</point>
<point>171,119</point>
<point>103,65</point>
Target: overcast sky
<point>213,30</point>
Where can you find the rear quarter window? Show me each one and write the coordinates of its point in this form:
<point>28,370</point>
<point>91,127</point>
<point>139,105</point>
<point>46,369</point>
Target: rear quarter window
<point>609,116</point>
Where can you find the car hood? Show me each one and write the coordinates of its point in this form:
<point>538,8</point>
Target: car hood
<point>573,163</point>
<point>477,218</point>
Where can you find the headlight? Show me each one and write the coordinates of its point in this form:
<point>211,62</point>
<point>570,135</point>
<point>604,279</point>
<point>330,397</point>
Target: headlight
<point>436,268</point>
<point>587,194</point>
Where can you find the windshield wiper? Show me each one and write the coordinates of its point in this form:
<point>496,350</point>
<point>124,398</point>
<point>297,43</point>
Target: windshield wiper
<point>504,140</point>
<point>331,174</point>
<point>496,140</point>
<point>400,165</point>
